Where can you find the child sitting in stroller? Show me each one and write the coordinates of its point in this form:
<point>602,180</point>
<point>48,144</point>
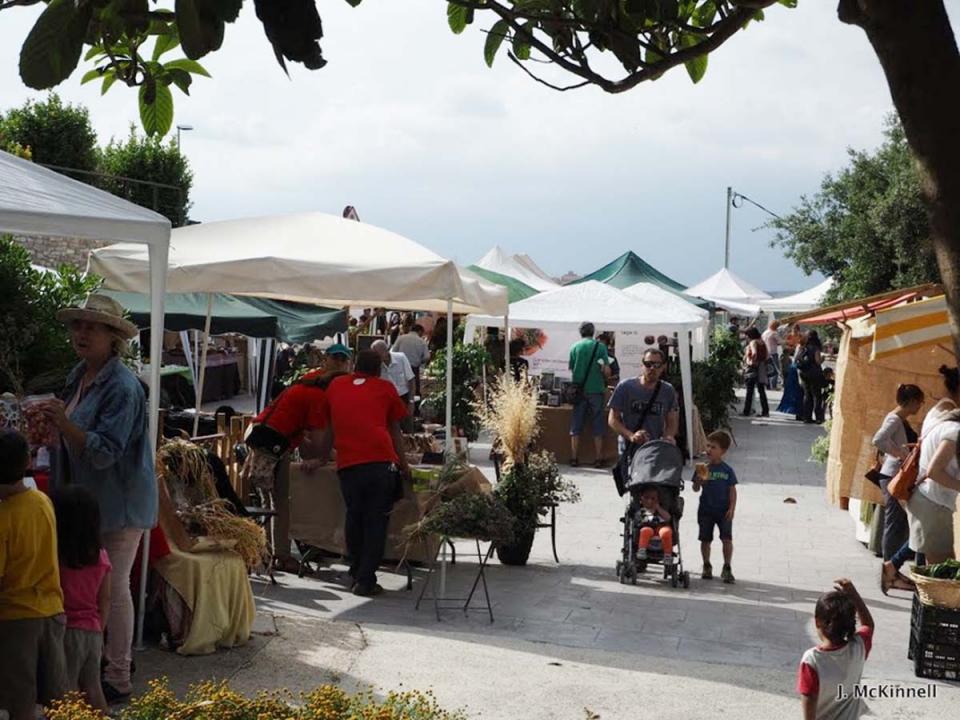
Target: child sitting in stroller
<point>654,520</point>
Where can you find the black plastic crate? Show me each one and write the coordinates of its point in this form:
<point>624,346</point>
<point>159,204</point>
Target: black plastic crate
<point>934,641</point>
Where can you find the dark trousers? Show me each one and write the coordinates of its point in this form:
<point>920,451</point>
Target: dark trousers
<point>761,389</point>
<point>896,529</point>
<point>812,401</point>
<point>368,491</point>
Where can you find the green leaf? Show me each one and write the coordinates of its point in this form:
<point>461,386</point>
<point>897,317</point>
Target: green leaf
<point>200,31</point>
<point>788,3</point>
<point>458,17</point>
<point>494,40</point>
<point>521,40</point>
<point>697,67</point>
<point>182,79</point>
<point>156,108</point>
<point>165,43</point>
<point>108,80</point>
<point>93,52</point>
<point>54,45</point>
<point>91,75</point>
<point>191,66</point>
<point>703,16</point>
<point>354,3</point>
<point>227,10</point>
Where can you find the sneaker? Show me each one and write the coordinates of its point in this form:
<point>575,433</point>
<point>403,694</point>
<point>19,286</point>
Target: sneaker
<point>641,553</point>
<point>667,559</point>
<point>727,575</point>
<point>112,695</point>
<point>707,573</point>
<point>367,590</point>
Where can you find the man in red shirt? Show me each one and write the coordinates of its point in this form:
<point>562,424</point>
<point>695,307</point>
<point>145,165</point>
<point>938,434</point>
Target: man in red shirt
<point>295,415</point>
<point>363,415</point>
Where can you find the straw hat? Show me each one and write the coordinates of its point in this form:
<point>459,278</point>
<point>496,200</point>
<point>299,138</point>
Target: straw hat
<point>100,309</point>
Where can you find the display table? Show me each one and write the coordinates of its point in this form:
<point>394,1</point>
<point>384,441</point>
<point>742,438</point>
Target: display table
<point>555,437</point>
<point>221,381</point>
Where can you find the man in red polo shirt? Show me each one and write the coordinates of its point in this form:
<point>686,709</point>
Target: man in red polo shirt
<point>294,415</point>
<point>363,416</point>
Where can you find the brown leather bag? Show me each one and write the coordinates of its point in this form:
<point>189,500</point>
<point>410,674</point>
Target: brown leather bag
<point>903,483</point>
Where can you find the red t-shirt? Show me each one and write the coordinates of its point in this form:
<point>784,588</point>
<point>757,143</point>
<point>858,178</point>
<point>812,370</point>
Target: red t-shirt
<point>360,409</point>
<point>296,409</point>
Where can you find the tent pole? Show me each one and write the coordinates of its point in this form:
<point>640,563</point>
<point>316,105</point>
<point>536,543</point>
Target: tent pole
<point>506,340</point>
<point>686,378</point>
<point>449,388</point>
<point>158,280</point>
<point>203,363</point>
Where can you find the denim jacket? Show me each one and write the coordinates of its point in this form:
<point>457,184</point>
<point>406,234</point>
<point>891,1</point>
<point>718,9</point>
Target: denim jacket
<point>116,463</point>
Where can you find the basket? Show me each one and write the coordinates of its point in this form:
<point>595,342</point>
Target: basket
<point>937,591</point>
<point>934,641</point>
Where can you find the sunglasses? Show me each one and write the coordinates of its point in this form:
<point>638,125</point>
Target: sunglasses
<point>652,365</point>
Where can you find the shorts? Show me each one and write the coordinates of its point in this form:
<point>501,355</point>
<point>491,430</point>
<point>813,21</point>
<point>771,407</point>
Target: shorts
<point>931,526</point>
<point>32,665</point>
<point>707,519</point>
<point>83,649</point>
<point>590,408</point>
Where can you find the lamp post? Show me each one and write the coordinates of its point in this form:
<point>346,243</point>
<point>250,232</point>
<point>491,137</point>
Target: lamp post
<point>184,128</point>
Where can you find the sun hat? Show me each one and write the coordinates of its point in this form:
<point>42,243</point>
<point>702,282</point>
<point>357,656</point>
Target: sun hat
<point>339,349</point>
<point>100,309</point>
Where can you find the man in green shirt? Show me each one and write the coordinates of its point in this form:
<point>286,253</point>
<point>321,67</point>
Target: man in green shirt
<point>590,367</point>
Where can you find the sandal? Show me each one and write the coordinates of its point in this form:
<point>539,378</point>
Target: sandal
<point>902,582</point>
<point>887,580</point>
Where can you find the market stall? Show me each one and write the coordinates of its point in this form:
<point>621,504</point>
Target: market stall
<point>520,268</point>
<point>798,302</point>
<point>557,314</point>
<point>39,202</point>
<point>729,291</point>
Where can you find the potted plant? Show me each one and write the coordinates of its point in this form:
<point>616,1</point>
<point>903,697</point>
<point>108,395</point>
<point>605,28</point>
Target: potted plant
<point>468,362</point>
<point>530,482</point>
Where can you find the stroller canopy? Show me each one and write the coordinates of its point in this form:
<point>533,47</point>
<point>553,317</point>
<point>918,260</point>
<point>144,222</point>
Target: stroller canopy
<point>657,462</point>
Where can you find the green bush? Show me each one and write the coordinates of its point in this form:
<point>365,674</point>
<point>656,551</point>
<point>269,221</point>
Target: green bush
<point>820,450</point>
<point>715,380</point>
<point>468,362</point>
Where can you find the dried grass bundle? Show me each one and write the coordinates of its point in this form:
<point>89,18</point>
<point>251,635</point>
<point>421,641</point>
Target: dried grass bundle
<point>215,520</point>
<point>511,414</point>
<point>184,468</point>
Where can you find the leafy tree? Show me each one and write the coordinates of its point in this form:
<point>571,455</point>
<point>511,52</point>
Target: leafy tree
<point>54,132</point>
<point>35,352</point>
<point>150,159</point>
<point>867,227</point>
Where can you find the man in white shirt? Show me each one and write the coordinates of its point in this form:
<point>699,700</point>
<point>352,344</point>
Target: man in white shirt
<point>412,344</point>
<point>771,338</point>
<point>396,368</point>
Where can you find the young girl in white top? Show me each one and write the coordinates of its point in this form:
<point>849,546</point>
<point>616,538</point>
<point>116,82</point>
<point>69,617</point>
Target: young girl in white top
<point>830,672</point>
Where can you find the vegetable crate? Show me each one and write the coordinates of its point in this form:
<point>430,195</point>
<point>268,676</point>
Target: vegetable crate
<point>934,641</point>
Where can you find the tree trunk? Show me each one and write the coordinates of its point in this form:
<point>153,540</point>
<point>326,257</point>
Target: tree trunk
<point>918,52</point>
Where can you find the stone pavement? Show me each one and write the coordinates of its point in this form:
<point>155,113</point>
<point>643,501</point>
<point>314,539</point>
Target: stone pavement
<point>569,641</point>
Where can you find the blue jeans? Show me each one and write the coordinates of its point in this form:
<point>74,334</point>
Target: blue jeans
<point>590,408</point>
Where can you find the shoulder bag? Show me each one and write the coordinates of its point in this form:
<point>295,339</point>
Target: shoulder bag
<point>620,470</point>
<point>904,482</point>
<point>573,393</point>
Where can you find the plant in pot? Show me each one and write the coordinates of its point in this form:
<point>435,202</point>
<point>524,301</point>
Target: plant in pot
<point>468,363</point>
<point>530,482</point>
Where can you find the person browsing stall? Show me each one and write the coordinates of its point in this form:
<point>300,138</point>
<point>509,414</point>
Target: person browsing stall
<point>396,369</point>
<point>645,408</point>
<point>412,344</point>
<point>363,414</point>
<point>589,365</point>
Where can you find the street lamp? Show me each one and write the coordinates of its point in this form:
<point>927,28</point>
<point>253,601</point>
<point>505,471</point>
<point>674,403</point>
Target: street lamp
<point>184,128</point>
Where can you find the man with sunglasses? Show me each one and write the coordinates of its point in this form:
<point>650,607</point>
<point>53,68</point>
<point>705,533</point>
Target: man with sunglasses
<point>645,408</point>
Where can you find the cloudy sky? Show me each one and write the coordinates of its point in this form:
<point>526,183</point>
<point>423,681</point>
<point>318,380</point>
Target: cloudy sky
<point>408,124</point>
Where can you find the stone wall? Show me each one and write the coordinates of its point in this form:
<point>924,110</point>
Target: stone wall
<point>53,252</point>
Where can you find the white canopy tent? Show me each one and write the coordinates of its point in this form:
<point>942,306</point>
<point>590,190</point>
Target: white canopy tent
<point>730,292</point>
<point>512,266</point>
<point>610,310</point>
<point>530,265</point>
<point>680,309</point>
<point>800,302</point>
<point>35,201</point>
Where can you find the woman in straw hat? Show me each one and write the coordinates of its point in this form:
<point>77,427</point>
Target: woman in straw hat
<point>104,446</point>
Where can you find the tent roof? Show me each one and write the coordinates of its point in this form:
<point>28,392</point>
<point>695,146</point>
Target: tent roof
<point>606,307</point>
<point>38,201</point>
<point>801,301</point>
<point>726,285</point>
<point>630,269</point>
<point>656,296</point>
<point>255,317</point>
<point>309,257</point>
<point>530,265</point>
<point>516,290</point>
<point>496,260</point>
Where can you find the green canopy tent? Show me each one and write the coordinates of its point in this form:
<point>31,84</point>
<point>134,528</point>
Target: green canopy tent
<point>516,290</point>
<point>630,269</point>
<point>255,317</point>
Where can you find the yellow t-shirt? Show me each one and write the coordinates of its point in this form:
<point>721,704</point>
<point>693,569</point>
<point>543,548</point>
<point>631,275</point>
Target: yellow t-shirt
<point>29,569</point>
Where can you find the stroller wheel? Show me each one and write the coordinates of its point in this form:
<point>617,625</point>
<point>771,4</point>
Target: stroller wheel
<point>685,579</point>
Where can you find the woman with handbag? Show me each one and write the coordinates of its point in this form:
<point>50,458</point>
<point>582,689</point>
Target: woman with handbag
<point>894,440</point>
<point>934,499</point>
<point>755,373</point>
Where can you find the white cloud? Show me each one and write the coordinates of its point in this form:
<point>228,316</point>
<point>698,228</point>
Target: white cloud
<point>408,124</point>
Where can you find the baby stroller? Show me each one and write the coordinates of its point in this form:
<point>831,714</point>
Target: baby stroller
<point>655,464</point>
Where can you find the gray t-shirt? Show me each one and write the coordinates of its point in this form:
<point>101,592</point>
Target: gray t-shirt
<point>631,397</point>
